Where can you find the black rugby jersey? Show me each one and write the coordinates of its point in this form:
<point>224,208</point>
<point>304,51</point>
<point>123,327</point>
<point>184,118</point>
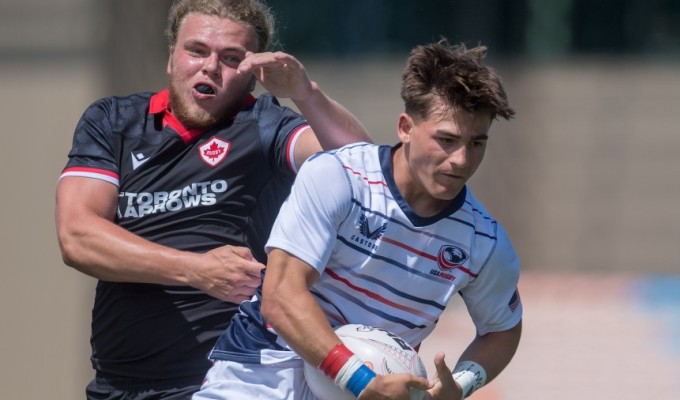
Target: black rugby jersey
<point>189,190</point>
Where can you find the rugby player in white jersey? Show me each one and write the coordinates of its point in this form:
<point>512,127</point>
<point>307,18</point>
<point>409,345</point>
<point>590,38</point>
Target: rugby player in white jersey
<point>385,236</point>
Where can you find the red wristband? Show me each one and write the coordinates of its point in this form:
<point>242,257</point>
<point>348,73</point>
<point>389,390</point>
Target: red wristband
<point>334,360</point>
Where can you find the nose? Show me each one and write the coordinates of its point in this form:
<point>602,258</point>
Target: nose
<point>211,64</point>
<point>459,157</point>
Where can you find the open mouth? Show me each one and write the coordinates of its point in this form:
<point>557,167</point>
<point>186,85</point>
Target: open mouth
<point>204,89</point>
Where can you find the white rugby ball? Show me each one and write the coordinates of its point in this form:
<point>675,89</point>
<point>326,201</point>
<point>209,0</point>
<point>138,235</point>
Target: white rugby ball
<point>382,351</point>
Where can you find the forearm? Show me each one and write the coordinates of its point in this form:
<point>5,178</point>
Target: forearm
<point>101,249</point>
<point>298,328</point>
<point>289,307</point>
<point>333,124</point>
<point>493,351</point>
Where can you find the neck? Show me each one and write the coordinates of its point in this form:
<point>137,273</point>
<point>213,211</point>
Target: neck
<point>417,197</point>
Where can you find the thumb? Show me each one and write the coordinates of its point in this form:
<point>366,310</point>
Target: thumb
<point>443,372</point>
<point>446,387</point>
<point>440,364</point>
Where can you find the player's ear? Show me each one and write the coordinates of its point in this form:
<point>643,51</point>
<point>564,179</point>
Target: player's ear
<point>405,127</point>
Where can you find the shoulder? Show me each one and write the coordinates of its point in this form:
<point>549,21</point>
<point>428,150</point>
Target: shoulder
<point>339,171</point>
<point>358,155</point>
<point>264,106</point>
<point>484,222</point>
<point>500,249</point>
<point>351,159</point>
<point>322,164</point>
<point>116,108</point>
<point>136,100</point>
<point>275,124</point>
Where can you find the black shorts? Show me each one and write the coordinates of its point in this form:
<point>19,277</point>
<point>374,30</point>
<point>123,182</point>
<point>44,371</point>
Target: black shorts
<point>129,389</point>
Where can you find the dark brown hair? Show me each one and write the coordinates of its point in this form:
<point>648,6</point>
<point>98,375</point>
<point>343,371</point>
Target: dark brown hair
<point>456,75</point>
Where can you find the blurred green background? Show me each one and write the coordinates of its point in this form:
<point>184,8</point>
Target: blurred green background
<point>585,179</point>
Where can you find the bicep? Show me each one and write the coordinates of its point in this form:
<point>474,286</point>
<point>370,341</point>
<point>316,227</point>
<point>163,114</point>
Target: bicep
<point>306,145</point>
<point>505,341</point>
<point>492,298</point>
<point>287,274</point>
<point>80,197</point>
<point>307,223</point>
<point>285,290</point>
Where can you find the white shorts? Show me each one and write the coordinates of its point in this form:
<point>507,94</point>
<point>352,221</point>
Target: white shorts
<point>227,380</point>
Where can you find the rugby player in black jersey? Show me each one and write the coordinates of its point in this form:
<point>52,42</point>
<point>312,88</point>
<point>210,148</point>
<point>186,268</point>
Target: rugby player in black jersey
<point>168,198</point>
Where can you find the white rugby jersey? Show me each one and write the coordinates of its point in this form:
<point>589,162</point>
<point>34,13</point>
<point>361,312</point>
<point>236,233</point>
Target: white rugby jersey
<point>380,264</point>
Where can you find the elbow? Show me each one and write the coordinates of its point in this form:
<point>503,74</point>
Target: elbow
<point>272,310</point>
<point>67,252</point>
<point>517,331</point>
<point>513,336</point>
<point>68,245</point>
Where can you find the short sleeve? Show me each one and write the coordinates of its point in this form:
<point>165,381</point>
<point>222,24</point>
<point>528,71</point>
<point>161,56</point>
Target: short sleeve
<point>308,221</point>
<point>492,299</point>
<point>93,152</point>
<point>280,127</point>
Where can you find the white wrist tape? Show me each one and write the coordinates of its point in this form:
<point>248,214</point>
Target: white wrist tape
<point>470,376</point>
<point>347,370</point>
<point>354,376</point>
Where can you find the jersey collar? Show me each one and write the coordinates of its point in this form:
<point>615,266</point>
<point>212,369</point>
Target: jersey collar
<point>160,104</point>
<point>385,155</point>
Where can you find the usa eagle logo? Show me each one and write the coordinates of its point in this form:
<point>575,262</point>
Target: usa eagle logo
<point>366,231</point>
<point>451,257</point>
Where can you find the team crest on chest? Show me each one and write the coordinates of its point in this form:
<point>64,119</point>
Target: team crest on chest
<point>451,257</point>
<point>214,151</point>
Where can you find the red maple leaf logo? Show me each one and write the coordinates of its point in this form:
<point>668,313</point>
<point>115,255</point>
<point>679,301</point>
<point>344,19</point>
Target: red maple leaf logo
<point>213,151</point>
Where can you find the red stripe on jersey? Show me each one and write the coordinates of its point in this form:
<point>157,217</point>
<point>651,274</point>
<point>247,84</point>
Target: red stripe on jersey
<point>363,177</point>
<point>374,296</point>
<point>91,170</point>
<point>409,248</point>
<point>289,146</point>
<point>426,255</point>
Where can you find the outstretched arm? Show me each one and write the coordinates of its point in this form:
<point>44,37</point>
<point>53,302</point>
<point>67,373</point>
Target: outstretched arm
<point>332,124</point>
<point>91,243</point>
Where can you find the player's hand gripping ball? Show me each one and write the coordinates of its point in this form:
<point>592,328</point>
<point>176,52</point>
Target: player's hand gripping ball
<point>382,351</point>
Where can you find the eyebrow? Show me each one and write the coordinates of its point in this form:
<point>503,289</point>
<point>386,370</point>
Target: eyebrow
<point>481,136</point>
<point>202,43</point>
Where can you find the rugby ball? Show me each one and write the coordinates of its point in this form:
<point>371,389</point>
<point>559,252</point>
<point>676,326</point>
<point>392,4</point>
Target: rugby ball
<point>382,351</point>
